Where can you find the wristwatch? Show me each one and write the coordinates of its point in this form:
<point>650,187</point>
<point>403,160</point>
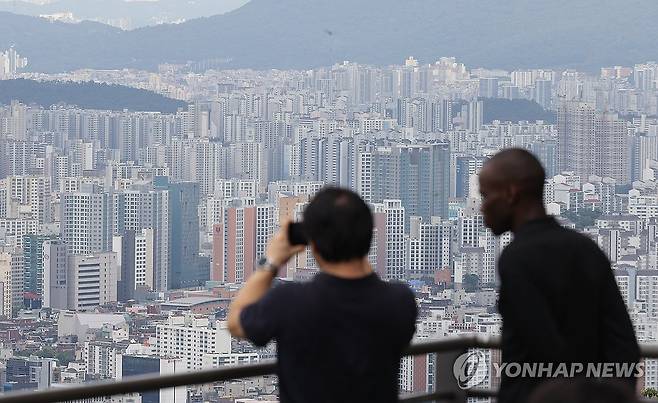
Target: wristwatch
<point>265,264</point>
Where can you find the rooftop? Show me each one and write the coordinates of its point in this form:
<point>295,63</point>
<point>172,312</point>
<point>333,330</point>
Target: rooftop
<point>192,301</point>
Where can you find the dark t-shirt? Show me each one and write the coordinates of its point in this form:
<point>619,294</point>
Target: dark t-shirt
<point>338,340</point>
<point>560,304</point>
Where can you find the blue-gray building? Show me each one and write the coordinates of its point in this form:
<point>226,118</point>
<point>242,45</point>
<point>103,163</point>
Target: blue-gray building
<point>186,268</point>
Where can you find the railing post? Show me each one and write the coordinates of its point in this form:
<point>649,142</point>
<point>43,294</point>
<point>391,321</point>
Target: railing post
<point>445,382</point>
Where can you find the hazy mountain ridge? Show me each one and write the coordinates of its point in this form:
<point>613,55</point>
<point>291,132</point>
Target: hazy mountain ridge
<point>506,110</point>
<point>135,13</point>
<point>86,95</point>
<point>307,33</point>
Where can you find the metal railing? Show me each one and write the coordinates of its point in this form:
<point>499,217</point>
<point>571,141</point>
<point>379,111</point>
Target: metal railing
<point>446,352</point>
<point>447,389</point>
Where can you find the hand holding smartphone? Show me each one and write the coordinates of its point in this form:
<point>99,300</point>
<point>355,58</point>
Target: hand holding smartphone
<point>296,234</point>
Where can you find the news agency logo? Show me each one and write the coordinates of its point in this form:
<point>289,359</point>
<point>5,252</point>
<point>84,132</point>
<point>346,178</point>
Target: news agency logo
<point>470,369</point>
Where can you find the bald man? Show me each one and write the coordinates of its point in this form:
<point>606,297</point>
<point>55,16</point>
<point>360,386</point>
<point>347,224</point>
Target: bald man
<point>558,297</point>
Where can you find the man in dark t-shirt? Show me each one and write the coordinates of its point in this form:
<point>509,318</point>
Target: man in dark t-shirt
<point>340,336</point>
<point>559,300</point>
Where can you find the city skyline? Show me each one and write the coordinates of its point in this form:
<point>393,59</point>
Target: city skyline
<point>287,34</point>
<point>125,233</point>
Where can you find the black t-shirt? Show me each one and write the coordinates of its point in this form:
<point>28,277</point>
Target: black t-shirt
<point>338,340</point>
<point>560,304</point>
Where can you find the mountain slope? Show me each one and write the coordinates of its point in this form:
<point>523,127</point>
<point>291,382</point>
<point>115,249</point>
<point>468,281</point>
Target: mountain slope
<point>86,96</point>
<point>56,46</point>
<point>586,34</point>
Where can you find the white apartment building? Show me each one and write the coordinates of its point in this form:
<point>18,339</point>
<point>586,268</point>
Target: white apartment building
<point>13,230</point>
<point>392,222</point>
<point>623,283</point>
<point>643,206</point>
<point>100,358</point>
<point>144,259</point>
<point>141,263</point>
<point>266,219</point>
<point>86,221</point>
<point>191,338</point>
<point>92,280</point>
<point>471,226</point>
<point>27,194</point>
<point>217,360</point>
<point>364,175</point>
<point>294,188</point>
<point>144,209</point>
<point>646,289</point>
<point>11,281</point>
<point>55,283</point>
<point>428,247</point>
<point>234,188</point>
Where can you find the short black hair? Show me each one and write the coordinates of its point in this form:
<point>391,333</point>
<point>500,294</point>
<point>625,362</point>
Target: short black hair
<point>520,166</point>
<point>339,223</point>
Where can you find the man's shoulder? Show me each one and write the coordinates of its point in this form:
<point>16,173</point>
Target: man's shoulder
<point>558,241</point>
<point>399,285</point>
<point>399,299</point>
<point>399,294</point>
<point>572,234</point>
<point>565,237</point>
<point>573,240</point>
<point>399,288</point>
<point>287,289</point>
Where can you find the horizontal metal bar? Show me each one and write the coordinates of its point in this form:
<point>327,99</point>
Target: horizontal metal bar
<point>453,343</point>
<point>154,382</point>
<point>479,392</point>
<point>426,397</point>
<point>649,350</point>
<point>140,384</point>
<point>430,397</point>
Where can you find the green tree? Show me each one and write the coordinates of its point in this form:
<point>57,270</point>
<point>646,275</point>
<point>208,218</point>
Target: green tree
<point>650,393</point>
<point>583,218</point>
<point>64,357</point>
<point>471,282</point>
<point>46,352</point>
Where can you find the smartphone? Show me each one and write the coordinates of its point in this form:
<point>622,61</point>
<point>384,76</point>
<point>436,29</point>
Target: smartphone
<point>296,234</point>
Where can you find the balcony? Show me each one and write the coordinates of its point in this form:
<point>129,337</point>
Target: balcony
<point>446,351</point>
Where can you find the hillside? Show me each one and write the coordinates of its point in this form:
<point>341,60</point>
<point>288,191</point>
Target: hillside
<point>515,110</point>
<point>262,34</point>
<point>86,95</point>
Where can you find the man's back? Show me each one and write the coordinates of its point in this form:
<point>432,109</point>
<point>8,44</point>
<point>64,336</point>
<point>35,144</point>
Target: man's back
<point>338,340</point>
<point>560,303</point>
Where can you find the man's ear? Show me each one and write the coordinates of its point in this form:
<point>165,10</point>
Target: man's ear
<point>513,193</point>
